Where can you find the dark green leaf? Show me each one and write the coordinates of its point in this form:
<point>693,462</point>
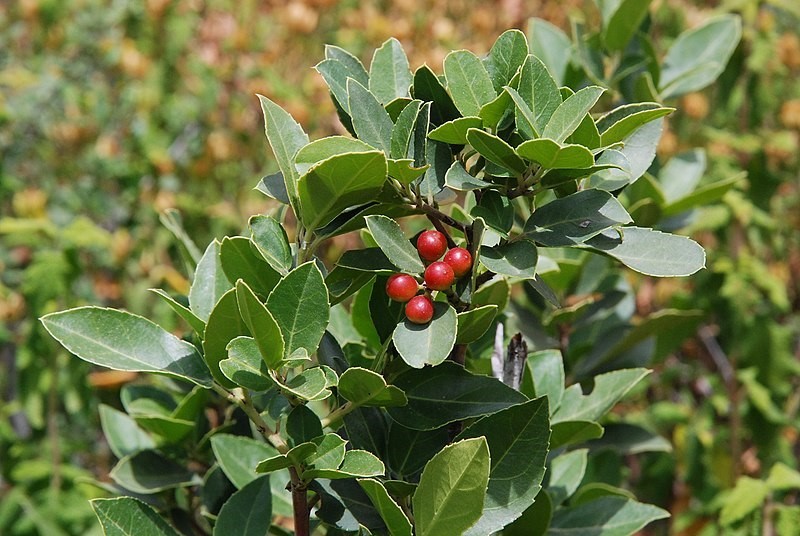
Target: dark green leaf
<point>514,259</point>
<point>396,521</point>
<point>224,324</point>
<point>240,260</point>
<point>473,324</point>
<point>496,211</point>
<point>367,429</point>
<point>209,283</point>
<point>572,432</point>
<point>496,150</point>
<point>389,236</point>
<point>409,450</point>
<point>403,130</point>
<point>607,516</point>
<point>261,323</point>
<point>149,472</point>
<point>194,322</point>
<point>248,512</point>
<point>274,187</point>
<point>427,87</point>
<point>126,516</point>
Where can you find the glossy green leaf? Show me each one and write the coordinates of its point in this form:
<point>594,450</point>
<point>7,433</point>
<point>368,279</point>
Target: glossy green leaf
<point>549,43</point>
<point>391,239</point>
<point>573,432</point>
<point>608,389</point>
<point>543,375</point>
<point>389,73</point>
<point>450,496</point>
<point>570,113</point>
<point>357,463</point>
<point>457,178</point>
<point>576,218</point>
<point>123,341</point>
<point>324,148</point>
<point>523,115</point>
<point>404,170</point>
<point>370,119</point>
<point>514,259</point>
<point>245,366</point>
<point>468,82</point>
<point>149,471</point>
<point>367,260</point>
<point>698,56</point>
<point>621,122</point>
<point>607,516</point>
<point>505,57</point>
<point>496,211</point>
<point>240,260</point>
<point>518,444</point>
<point>367,429</point>
<point>539,92</point>
<point>274,187</point>
<point>448,393</point>
<point>396,521</point>
<point>239,455</point>
<point>407,450</point>
<point>248,512</point>
<point>329,453</point>
<point>473,324</point>
<point>364,387</point>
<point>122,433</point>
<point>295,456</point>
<point>551,155</point>
<point>427,87</point>
<point>455,131</point>
<point>566,474</point>
<point>311,384</point>
<point>286,137</point>
<point>622,24</point>
<point>126,516</point>
<point>262,325</point>
<point>427,344</point>
<point>300,306</point>
<point>338,183</point>
<point>194,322</point>
<point>224,324</point>
<point>209,283</point>
<point>496,150</point>
<point>652,252</point>
<point>636,154</point>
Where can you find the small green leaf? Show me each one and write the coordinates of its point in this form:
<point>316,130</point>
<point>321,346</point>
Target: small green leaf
<point>324,148</point>
<point>506,57</point>
<point>274,187</point>
<point>620,122</point>
<point>367,260</point>
<point>224,324</point>
<point>245,366</point>
<point>209,283</point>
<point>240,260</point>
<point>259,320</point>
<point>299,303</point>
<point>336,74</point>
<point>356,464</point>
<point>514,259</point>
<point>621,26</point>
<point>539,91</point>
<point>389,236</point>
<point>364,387</point>
<point>544,376</point>
<point>634,158</point>
<point>123,341</point>
<point>427,344</point>
<point>573,432</point>
<point>452,488</point>
<point>455,131</point>
<point>371,120</point>
<point>403,130</point>
<point>122,433</point>
<point>389,73</point>
<point>353,65</point>
<point>270,239</point>
<point>474,323</point>
<point>428,88</point>
<point>311,384</point>
<point>523,115</point>
<point>396,521</point>
<point>126,516</point>
<point>652,252</point>
<point>239,455</point>
<point>149,471</point>
<point>496,211</point>
<point>570,113</point>
<point>194,322</point>
<point>566,473</point>
<point>248,512</point>
<point>607,516</point>
<point>295,456</point>
<point>552,45</point>
<point>449,393</point>
<point>457,178</point>
<point>608,389</point>
<point>551,155</point>
<point>404,170</point>
<point>329,454</point>
<point>496,150</point>
<point>468,82</point>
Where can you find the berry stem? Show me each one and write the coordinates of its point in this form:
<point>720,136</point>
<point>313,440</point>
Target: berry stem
<point>442,229</point>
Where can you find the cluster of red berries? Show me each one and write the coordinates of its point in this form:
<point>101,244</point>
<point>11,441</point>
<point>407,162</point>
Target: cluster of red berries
<point>439,275</point>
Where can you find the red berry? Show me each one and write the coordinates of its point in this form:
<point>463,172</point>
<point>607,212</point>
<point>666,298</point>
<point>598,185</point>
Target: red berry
<point>439,276</point>
<point>431,245</point>
<point>401,287</point>
<point>419,309</point>
<point>459,260</point>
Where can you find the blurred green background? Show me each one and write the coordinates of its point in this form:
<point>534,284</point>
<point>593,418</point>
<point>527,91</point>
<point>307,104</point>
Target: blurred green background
<point>125,121</point>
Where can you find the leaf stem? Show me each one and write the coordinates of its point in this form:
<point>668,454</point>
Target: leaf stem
<point>337,414</point>
<point>245,402</point>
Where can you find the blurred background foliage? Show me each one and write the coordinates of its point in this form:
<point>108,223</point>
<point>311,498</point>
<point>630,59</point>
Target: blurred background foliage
<point>115,112</point>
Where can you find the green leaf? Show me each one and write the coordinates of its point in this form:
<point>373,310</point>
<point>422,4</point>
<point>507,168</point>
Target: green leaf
<point>783,478</point>
<point>427,87</point>
<point>698,57</point>
<point>621,122</point>
<point>634,158</point>
<point>627,438</point>
<point>544,376</point>
<point>245,366</point>
<point>552,45</point>
<point>404,170</point>
<point>123,341</point>
<point>367,260</point>
<point>364,387</point>
<point>427,344</point>
<point>300,306</point>
<point>551,155</point>
<point>371,120</point>
<point>652,252</point>
<point>240,260</point>
<point>607,516</point>
<point>295,456</point>
<point>534,521</point>
<point>336,74</point>
<point>457,178</point>
<point>126,516</point>
<point>518,441</point>
<point>621,26</point>
<point>389,74</point>
<point>495,111</point>
<point>355,68</point>
<point>329,454</point>
<point>523,115</point>
<point>396,521</point>
<point>573,432</point>
<point>407,450</point>
<point>389,236</point>
<point>455,131</point>
<point>609,388</point>
<point>449,393</point>
<point>311,384</point>
<point>570,113</point>
<point>195,323</point>
<point>150,472</point>
<point>224,324</point>
<point>440,158</point>
<point>704,195</point>
<point>468,82</point>
<point>248,512</point>
<point>367,429</point>
<point>122,433</point>
<point>505,57</point>
<point>496,211</point>
<point>566,474</point>
<point>681,174</point>
<point>496,150</point>
<point>286,137</point>
<point>474,323</point>
<point>274,187</point>
<point>270,239</point>
<point>340,182</point>
<point>209,283</point>
<point>540,92</point>
<point>263,326</point>
<point>403,130</point>
<point>239,455</point>
<point>576,218</point>
<point>514,259</point>
<point>357,463</point>
<point>450,496</point>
